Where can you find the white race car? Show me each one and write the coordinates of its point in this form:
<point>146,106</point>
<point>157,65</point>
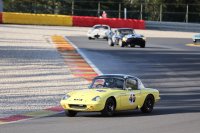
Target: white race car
<point>99,31</point>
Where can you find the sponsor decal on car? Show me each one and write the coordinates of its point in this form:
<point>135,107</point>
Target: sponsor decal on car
<point>132,98</point>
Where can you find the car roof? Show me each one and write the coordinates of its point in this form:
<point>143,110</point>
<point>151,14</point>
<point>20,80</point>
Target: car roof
<point>117,75</point>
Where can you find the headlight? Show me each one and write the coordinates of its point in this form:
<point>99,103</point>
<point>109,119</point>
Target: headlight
<point>97,98</point>
<point>66,97</point>
<point>124,39</point>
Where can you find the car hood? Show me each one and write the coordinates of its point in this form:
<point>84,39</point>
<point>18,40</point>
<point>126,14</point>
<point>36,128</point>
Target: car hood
<point>134,36</point>
<point>98,30</point>
<point>89,94</point>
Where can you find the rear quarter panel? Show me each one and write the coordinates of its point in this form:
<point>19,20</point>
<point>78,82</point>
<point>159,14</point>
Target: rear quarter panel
<point>154,92</point>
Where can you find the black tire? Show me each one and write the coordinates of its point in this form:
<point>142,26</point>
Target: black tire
<point>148,104</point>
<point>110,43</point>
<point>70,113</point>
<point>90,38</point>
<point>109,108</point>
<point>142,45</point>
<point>121,43</point>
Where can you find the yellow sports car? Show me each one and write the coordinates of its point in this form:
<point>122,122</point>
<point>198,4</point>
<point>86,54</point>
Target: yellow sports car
<point>110,93</point>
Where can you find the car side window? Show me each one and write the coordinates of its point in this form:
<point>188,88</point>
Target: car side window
<point>97,27</point>
<point>105,27</point>
<point>131,84</point>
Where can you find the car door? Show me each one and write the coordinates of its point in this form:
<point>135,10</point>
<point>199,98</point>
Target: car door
<point>131,96</point>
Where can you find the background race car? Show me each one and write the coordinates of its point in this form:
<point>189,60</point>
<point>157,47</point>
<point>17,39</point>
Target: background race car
<point>196,39</point>
<point>126,37</point>
<point>110,93</point>
<point>99,31</point>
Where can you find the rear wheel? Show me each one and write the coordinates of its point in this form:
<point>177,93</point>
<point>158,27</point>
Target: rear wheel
<point>148,104</point>
<point>70,113</point>
<point>109,108</point>
<point>142,45</point>
<point>110,43</point>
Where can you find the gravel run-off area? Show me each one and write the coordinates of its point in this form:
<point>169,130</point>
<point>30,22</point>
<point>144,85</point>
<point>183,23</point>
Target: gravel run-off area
<point>33,75</point>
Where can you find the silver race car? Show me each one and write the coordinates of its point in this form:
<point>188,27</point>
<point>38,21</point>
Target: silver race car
<point>99,31</point>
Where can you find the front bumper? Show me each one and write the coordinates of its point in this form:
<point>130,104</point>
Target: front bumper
<point>136,41</point>
<point>85,107</point>
<point>196,40</point>
<point>96,35</point>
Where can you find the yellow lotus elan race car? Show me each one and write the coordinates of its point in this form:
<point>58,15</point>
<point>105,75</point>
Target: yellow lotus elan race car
<point>110,93</point>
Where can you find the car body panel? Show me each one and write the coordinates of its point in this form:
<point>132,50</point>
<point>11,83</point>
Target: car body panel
<point>128,38</point>
<point>99,31</point>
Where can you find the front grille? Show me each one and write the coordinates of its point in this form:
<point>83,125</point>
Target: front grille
<point>78,99</point>
<point>77,106</point>
<point>197,40</point>
<point>135,41</point>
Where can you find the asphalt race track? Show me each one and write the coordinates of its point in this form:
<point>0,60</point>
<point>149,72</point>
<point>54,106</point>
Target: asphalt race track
<point>165,64</point>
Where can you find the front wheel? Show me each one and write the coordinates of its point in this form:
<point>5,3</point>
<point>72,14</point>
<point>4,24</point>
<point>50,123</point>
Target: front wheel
<point>148,104</point>
<point>70,113</point>
<point>89,38</point>
<point>109,108</point>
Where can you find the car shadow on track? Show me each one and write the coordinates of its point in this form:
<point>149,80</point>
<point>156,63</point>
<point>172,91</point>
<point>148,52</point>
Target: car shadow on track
<point>137,113</point>
<point>172,103</point>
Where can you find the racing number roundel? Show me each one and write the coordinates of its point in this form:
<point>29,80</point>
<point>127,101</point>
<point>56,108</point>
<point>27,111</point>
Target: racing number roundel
<point>132,98</point>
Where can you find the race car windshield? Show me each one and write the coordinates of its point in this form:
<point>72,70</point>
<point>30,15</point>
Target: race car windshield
<point>113,83</point>
<point>101,27</point>
<point>126,31</point>
<point>105,27</point>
